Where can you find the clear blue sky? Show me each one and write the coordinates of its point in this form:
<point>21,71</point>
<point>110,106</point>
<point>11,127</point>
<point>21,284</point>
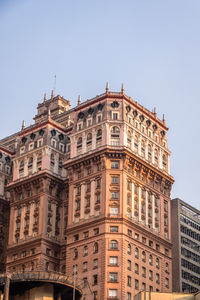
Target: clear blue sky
<point>152,46</point>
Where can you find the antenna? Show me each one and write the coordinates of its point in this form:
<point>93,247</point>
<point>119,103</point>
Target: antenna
<point>54,83</point>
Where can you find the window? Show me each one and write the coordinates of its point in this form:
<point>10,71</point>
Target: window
<point>114,211</point>
<point>96,231</point>
<point>167,283</point>
<point>98,137</point>
<point>89,140</point>
<point>166,267</point>
<point>99,118</point>
<point>128,296</point>
<point>86,234</point>
<point>144,272</point>
<point>136,284</point>
<point>150,260</point>
<point>89,122</point>
<point>136,268</point>
<point>75,269</point>
<point>114,195</point>
<point>113,277</point>
<point>94,295</point>
<point>76,237</point>
<point>31,146</point>
<point>157,263</point>
<point>157,247</point>
<point>115,136</point>
<point>40,142</point>
<point>96,248</point>
<point>79,126</point>
<point>150,275</point>
<point>136,236</point>
<point>85,250</point>
<point>150,243</point>
<point>115,180</point>
<point>113,260</point>
<point>47,266</point>
<point>157,278</point>
<point>85,266</point>
<point>112,293</point>
<point>15,256</point>
<point>143,256</point>
<point>129,265</point>
<point>75,253</point>
<point>114,228</point>
<point>48,251</point>
<point>129,248</point>
<point>143,286</point>
<point>114,164</point>
<point>115,115</point>
<point>95,279</point>
<point>129,232</point>
<point>79,144</point>
<point>95,263</point>
<point>113,244</point>
<point>144,240</point>
<point>22,149</point>
<point>136,253</point>
<point>23,253</point>
<point>129,281</point>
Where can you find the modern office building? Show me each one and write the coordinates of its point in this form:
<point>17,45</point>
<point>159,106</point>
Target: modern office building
<point>186,246</point>
<point>90,196</point>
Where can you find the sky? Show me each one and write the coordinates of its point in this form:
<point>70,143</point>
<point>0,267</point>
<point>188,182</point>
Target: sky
<point>152,46</point>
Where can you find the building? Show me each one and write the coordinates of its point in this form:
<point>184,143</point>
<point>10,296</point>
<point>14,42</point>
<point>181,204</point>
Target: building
<point>186,246</point>
<point>166,296</point>
<point>90,196</point>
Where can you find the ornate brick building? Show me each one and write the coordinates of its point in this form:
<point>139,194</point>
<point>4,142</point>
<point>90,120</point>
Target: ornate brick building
<point>90,195</point>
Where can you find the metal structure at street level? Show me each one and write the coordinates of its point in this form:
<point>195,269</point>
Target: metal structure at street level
<point>69,286</point>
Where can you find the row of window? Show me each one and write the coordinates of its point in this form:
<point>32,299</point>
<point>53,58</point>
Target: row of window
<point>32,145</point>
<point>190,232</point>
<point>189,222</point>
<point>85,250</point>
<point>89,122</point>
<point>190,244</point>
<point>187,253</point>
<point>86,234</point>
<point>190,266</point>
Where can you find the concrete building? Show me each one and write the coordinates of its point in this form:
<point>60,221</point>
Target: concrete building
<point>186,246</point>
<point>90,196</point>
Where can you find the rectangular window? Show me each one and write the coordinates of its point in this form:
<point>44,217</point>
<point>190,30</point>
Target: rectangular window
<point>85,234</point>
<point>114,195</point>
<point>112,293</point>
<point>129,232</point>
<point>40,142</point>
<point>114,228</point>
<point>114,164</point>
<point>113,277</point>
<point>115,115</point>
<point>96,231</point>
<point>76,237</point>
<point>115,180</point>
<point>114,211</point>
<point>89,122</point>
<point>113,260</point>
<point>30,146</point>
<point>129,281</point>
<point>129,265</point>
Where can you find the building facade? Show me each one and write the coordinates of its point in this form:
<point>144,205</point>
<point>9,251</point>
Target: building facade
<point>90,195</point>
<point>186,246</point>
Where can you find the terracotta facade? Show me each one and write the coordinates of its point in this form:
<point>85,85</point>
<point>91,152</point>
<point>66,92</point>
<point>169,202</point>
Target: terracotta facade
<point>90,195</point>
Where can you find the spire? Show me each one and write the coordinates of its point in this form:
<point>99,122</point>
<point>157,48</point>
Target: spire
<point>52,94</point>
<point>79,100</point>
<point>23,125</point>
<point>164,121</point>
<point>107,87</point>
<point>122,89</point>
<point>45,97</point>
<point>154,112</point>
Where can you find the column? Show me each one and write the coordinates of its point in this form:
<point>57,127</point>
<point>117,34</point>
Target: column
<point>25,167</point>
<point>153,211</point>
<point>146,203</point>
<point>82,204</point>
<point>46,153</point>
<point>139,199</point>
<point>73,206</point>
<point>92,198</point>
<point>13,219</point>
<point>56,163</point>
<point>133,202</point>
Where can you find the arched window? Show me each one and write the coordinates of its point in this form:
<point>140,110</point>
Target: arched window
<point>85,251</point>
<point>129,249</point>
<point>75,253</point>
<point>143,256</point>
<point>115,136</point>
<point>21,168</point>
<point>136,253</point>
<point>89,141</point>
<point>96,248</point>
<point>52,159</point>
<point>150,259</point>
<point>99,137</point>
<point>39,161</point>
<point>156,156</point>
<point>129,139</point>
<point>149,152</point>
<point>143,148</point>
<point>157,263</point>
<point>164,162</point>
<point>136,141</point>
<point>166,267</point>
<point>21,165</point>
<point>114,245</point>
<point>79,145</point>
<point>30,165</point>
